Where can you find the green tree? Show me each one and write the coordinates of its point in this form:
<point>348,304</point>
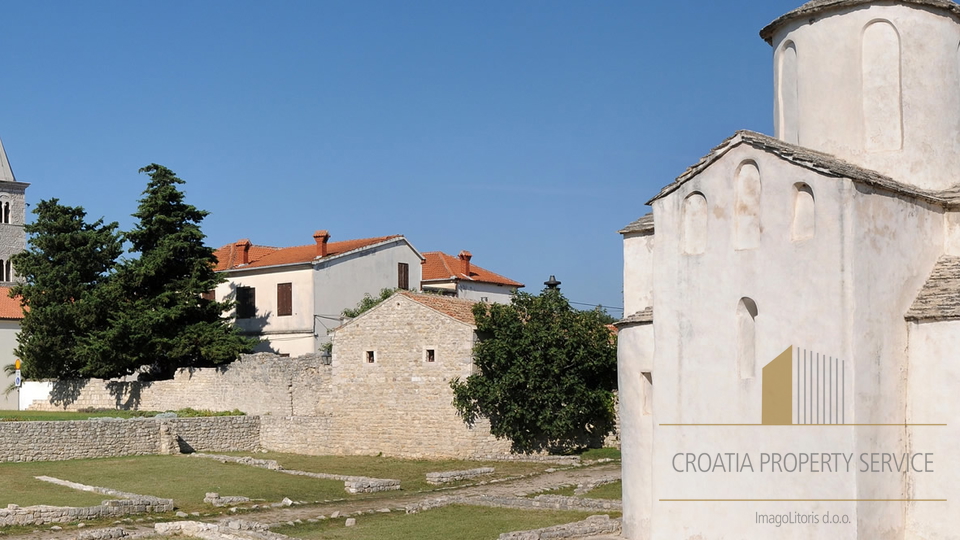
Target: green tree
<point>161,320</point>
<point>545,376</point>
<point>66,262</point>
<point>368,302</point>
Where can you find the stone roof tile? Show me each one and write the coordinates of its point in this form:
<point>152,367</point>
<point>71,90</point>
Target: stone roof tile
<point>818,8</point>
<point>642,225</point>
<point>939,299</point>
<point>820,162</point>
<point>458,308</point>
<point>644,316</point>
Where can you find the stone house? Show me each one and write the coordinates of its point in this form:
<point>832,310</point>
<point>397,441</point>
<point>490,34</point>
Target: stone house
<point>801,293</point>
<point>459,277</point>
<point>392,368</point>
<point>290,297</point>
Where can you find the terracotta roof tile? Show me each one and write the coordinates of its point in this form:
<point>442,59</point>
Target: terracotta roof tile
<point>440,266</point>
<point>9,307</point>
<point>458,308</point>
<point>263,256</point>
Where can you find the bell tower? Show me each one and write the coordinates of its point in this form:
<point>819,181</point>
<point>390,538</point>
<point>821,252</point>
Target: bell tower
<point>876,83</point>
<point>13,239</point>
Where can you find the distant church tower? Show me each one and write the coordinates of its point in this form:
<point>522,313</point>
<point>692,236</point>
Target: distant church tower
<point>874,83</point>
<point>13,239</point>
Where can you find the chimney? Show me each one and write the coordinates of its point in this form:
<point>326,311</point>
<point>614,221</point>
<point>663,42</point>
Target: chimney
<point>465,257</point>
<point>243,249</point>
<point>321,237</point>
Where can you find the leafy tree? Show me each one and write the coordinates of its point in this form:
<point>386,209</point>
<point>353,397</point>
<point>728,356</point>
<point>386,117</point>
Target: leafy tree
<point>66,262</point>
<point>368,302</point>
<point>545,374</point>
<point>161,320</point>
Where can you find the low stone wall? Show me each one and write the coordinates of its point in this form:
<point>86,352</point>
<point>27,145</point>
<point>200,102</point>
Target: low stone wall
<point>129,504</point>
<point>439,478</point>
<point>352,484</point>
<point>592,526</point>
<point>544,502</point>
<point>57,441</point>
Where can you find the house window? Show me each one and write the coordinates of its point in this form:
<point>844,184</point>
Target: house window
<point>209,296</point>
<point>403,276</point>
<point>284,299</point>
<point>371,356</point>
<point>246,302</point>
<point>430,355</point>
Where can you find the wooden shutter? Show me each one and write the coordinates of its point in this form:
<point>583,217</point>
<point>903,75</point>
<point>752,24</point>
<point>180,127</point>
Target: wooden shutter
<point>403,276</point>
<point>284,299</point>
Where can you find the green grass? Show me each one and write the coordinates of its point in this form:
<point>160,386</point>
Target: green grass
<point>460,522</point>
<point>411,473</point>
<point>41,416</point>
<point>612,491</point>
<point>185,480</point>
<point>601,453</point>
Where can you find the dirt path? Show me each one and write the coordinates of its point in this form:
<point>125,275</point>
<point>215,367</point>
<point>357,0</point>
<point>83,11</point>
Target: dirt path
<point>518,487</point>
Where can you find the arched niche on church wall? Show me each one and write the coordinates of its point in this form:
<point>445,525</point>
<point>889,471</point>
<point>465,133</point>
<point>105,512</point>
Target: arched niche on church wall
<point>881,93</point>
<point>694,218</point>
<point>747,210</point>
<point>804,213</point>
<point>788,99</point>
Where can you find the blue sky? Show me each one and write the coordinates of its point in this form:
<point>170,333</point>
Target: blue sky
<point>527,132</point>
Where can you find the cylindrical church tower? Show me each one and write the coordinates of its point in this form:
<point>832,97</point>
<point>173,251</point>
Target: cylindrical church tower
<point>876,83</point>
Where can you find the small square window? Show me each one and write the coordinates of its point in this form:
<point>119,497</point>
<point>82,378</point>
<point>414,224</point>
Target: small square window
<point>371,357</point>
<point>431,355</point>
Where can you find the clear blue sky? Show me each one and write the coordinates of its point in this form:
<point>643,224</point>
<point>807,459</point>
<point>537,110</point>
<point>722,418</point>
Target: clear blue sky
<point>527,132</point>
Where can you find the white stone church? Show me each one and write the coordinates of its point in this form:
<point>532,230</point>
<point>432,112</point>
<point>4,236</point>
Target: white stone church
<point>795,299</point>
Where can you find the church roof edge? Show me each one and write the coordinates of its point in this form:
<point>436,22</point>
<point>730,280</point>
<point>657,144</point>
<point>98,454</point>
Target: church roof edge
<point>820,162</point>
<point>819,7</point>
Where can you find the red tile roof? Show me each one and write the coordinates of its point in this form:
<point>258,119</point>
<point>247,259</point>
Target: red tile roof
<point>9,307</point>
<point>458,308</point>
<point>228,256</point>
<point>440,266</point>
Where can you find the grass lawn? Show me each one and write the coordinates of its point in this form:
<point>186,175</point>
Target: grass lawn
<point>411,473</point>
<point>184,479</point>
<point>612,491</point>
<point>460,522</point>
<point>601,453</point>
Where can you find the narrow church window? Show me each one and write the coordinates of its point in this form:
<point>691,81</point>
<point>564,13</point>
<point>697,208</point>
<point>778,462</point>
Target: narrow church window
<point>3,271</point>
<point>789,95</point>
<point>747,338</point>
<point>9,271</point>
<point>646,384</point>
<point>747,210</point>
<point>694,217</point>
<point>882,107</point>
<point>804,213</point>
<point>6,212</point>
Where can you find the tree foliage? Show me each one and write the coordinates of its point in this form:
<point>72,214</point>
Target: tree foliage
<point>91,316</point>
<point>545,374</point>
<point>62,271</point>
<point>161,321</point>
<point>368,302</point>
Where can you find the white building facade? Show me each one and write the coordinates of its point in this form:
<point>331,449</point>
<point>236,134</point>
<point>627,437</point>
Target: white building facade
<point>830,251</point>
<point>292,297</point>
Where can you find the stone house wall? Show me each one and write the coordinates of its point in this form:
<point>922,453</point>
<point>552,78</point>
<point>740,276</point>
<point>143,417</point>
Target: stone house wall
<point>401,403</point>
